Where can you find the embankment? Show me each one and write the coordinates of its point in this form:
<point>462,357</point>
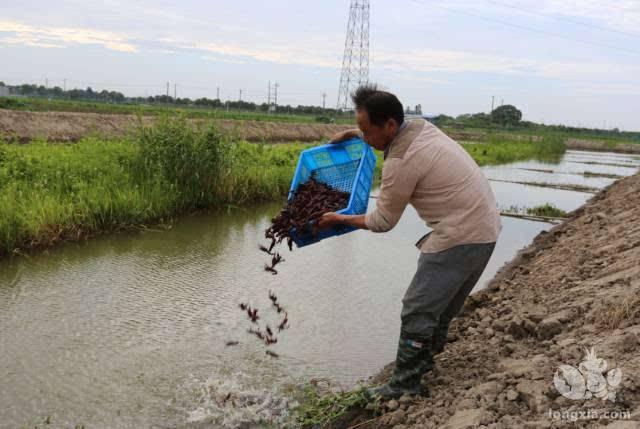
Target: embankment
<point>602,146</point>
<point>72,126</point>
<point>576,287</point>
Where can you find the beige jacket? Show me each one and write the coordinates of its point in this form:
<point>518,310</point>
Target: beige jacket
<point>427,169</point>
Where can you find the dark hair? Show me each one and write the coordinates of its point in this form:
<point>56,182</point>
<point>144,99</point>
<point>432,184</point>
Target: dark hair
<point>380,105</point>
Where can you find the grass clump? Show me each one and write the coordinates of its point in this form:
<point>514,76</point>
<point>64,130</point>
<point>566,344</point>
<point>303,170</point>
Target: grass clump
<point>497,150</point>
<point>616,310</point>
<point>318,409</point>
<point>546,210</point>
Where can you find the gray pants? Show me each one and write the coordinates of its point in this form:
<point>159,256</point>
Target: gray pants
<point>438,290</point>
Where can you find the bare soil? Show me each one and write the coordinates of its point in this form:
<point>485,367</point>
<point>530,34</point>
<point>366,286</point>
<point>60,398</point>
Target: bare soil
<point>576,286</point>
<point>71,127</point>
<point>603,146</point>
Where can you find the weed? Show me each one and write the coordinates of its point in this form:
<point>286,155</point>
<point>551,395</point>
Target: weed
<point>319,408</point>
<point>548,210</point>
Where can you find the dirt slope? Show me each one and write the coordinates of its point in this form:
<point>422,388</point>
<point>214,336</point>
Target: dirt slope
<point>576,286</point>
<point>71,126</point>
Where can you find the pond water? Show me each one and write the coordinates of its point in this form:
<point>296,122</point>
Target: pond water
<point>129,330</point>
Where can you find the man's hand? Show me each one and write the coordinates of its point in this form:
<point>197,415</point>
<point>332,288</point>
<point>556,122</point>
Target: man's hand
<point>345,135</point>
<point>331,219</point>
<point>328,220</point>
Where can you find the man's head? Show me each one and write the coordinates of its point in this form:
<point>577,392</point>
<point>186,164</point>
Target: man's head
<point>379,115</point>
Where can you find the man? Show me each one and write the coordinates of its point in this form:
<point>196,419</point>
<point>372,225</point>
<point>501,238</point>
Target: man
<point>425,168</point>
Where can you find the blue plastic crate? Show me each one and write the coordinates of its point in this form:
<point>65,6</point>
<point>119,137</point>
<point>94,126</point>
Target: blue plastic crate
<point>347,166</point>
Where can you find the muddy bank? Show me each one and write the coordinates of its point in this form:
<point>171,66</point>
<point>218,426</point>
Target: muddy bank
<point>71,127</point>
<point>575,287</point>
<point>571,143</point>
<point>602,146</point>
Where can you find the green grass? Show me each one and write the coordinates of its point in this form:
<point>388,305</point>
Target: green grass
<point>316,409</point>
<point>54,192</point>
<point>524,133</point>
<point>547,210</point>
<point>51,192</point>
<point>60,105</point>
<point>500,151</point>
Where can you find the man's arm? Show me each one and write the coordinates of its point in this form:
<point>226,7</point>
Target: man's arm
<point>331,219</point>
<point>398,183</point>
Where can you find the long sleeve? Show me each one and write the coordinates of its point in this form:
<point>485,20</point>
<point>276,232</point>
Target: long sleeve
<point>398,183</point>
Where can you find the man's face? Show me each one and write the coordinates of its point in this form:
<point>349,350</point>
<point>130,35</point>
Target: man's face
<point>376,136</point>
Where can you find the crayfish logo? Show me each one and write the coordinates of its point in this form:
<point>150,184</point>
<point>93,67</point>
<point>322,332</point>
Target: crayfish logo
<point>590,379</point>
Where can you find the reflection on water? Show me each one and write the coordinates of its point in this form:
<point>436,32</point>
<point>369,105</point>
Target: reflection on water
<point>129,330</point>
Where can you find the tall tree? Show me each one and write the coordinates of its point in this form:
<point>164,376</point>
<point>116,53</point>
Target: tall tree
<point>506,115</point>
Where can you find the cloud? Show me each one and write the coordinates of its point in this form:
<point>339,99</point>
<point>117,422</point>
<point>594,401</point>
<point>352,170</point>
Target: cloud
<point>58,37</point>
<point>613,88</point>
<point>273,54</point>
<point>428,64</point>
<point>622,15</point>
<point>218,59</point>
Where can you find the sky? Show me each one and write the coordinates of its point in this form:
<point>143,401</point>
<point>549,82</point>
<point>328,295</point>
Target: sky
<point>572,62</point>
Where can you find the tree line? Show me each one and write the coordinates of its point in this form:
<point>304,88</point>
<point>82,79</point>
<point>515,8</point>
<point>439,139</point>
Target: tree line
<point>117,97</point>
<point>506,116</point>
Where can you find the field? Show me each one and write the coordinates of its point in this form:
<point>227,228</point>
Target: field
<point>60,105</point>
<point>52,192</point>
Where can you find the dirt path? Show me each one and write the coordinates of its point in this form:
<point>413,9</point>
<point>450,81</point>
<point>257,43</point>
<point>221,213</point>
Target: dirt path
<point>70,127</point>
<point>575,287</point>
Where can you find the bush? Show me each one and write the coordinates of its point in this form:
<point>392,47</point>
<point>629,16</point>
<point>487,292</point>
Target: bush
<point>191,161</point>
<point>548,210</point>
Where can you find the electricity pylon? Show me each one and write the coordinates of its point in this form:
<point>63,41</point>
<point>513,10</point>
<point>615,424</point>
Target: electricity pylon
<point>355,63</point>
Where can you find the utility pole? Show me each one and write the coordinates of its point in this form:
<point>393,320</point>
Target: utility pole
<point>65,85</point>
<point>218,93</point>
<point>502,101</point>
<point>175,92</point>
<point>269,97</point>
<point>276,95</point>
<point>167,90</point>
<point>240,95</point>
<point>324,99</point>
<point>492,99</point>
<point>46,82</point>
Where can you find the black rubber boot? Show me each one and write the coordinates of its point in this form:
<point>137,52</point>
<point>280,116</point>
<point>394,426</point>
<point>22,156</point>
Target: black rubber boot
<point>439,339</point>
<point>412,361</point>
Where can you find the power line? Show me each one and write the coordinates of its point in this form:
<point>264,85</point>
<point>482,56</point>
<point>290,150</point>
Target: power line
<point>522,27</point>
<point>585,24</point>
